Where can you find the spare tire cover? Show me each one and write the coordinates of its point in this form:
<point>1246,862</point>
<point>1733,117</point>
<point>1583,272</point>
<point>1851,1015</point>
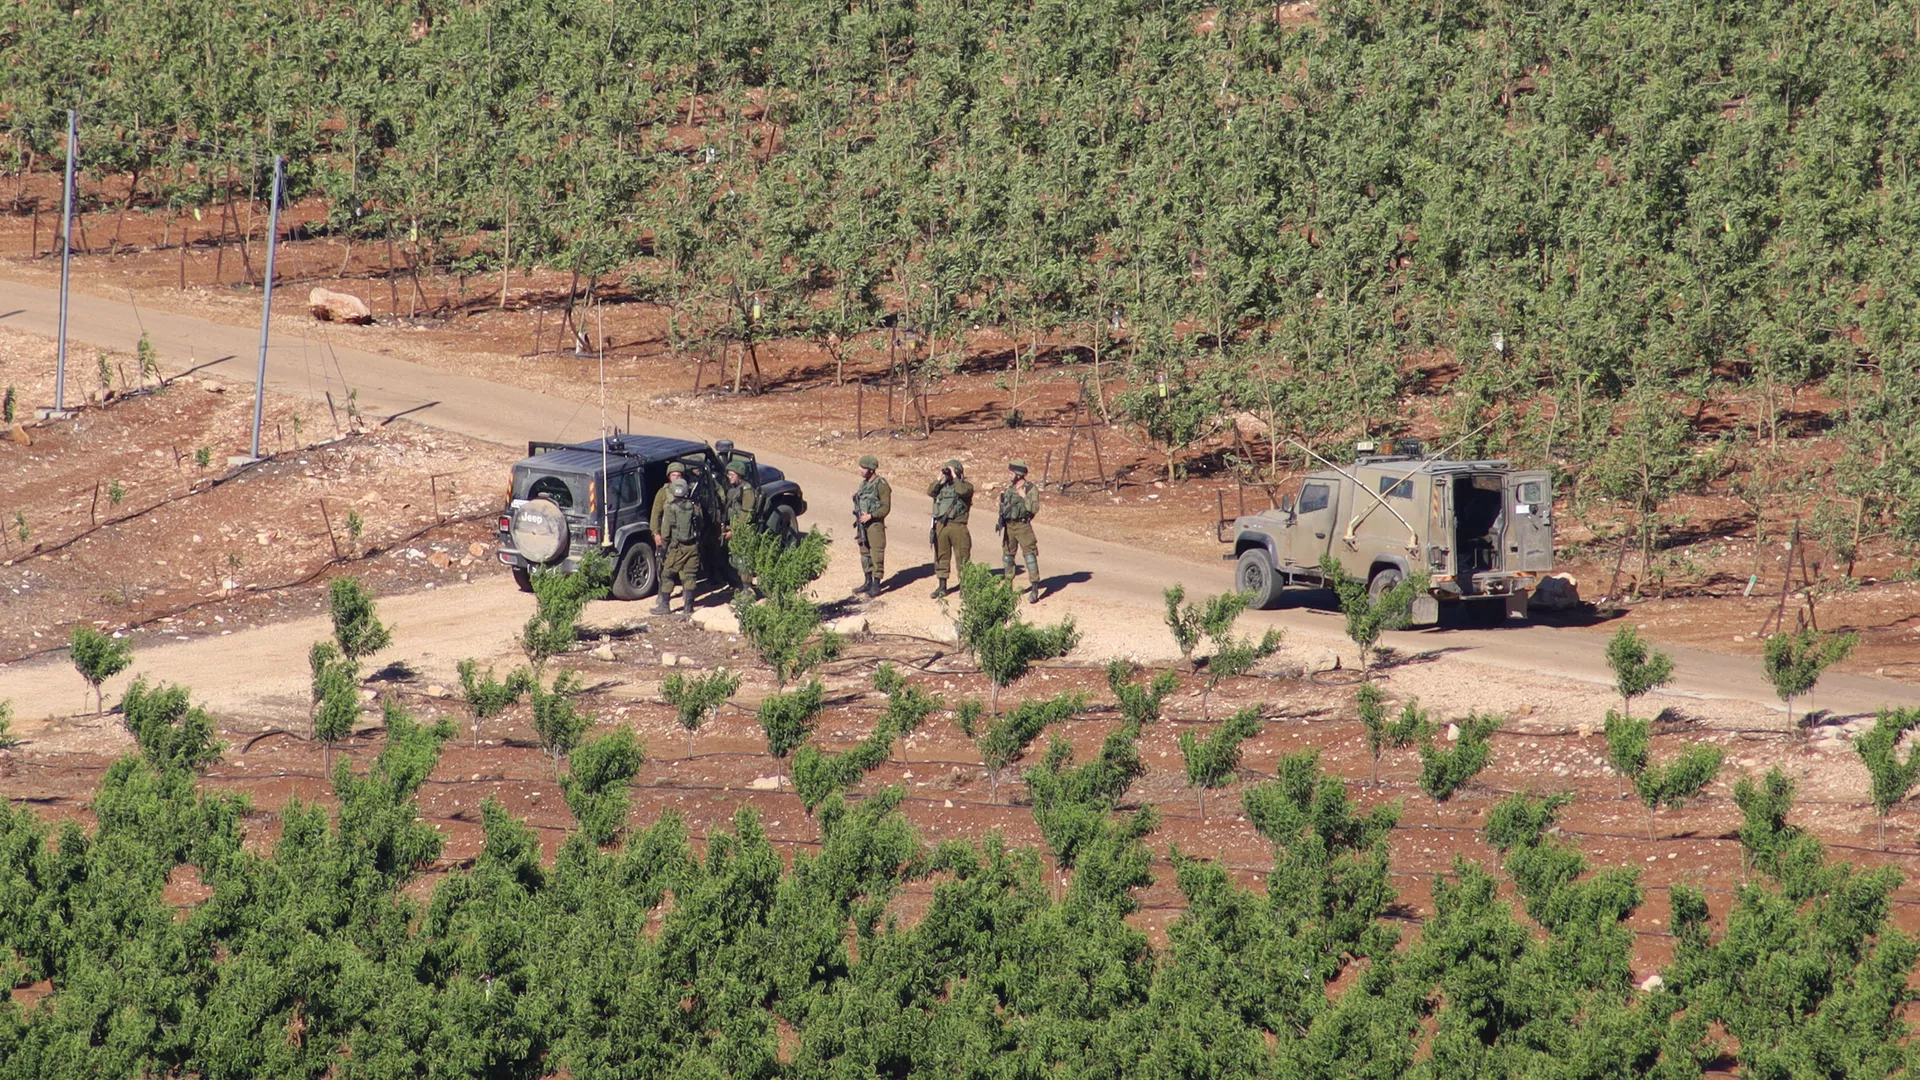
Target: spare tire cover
<point>540,531</point>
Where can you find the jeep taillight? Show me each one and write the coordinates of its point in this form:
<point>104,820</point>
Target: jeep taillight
<point>506,522</point>
<point>593,534</point>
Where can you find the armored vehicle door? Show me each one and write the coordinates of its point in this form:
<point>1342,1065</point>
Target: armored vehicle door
<point>1529,522</point>
<point>1314,520</point>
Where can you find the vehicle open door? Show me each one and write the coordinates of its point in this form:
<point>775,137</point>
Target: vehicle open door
<point>1529,522</point>
<point>1315,517</point>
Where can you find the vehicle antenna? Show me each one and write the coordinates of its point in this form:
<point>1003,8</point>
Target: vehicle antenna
<point>1413,535</point>
<point>606,496</point>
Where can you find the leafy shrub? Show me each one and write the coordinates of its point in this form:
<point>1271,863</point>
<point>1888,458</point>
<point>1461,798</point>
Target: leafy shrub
<point>1071,803</point>
<point>818,774</point>
<point>486,696</point>
<point>990,628</point>
<point>1890,778</point>
<point>173,733</point>
<point>596,783</point>
<point>1140,703</point>
<point>98,657</point>
<point>559,599</point>
<point>1369,616</point>
<point>336,694</point>
<point>1383,734</point>
<point>357,630</point>
<point>1628,741</point>
<point>1008,737</point>
<point>558,721</point>
<point>1445,768</point>
<point>788,717</point>
<point>1213,761</point>
<point>1637,669</point>
<point>1678,780</point>
<point>697,698</point>
<point>1794,661</point>
<point>8,740</point>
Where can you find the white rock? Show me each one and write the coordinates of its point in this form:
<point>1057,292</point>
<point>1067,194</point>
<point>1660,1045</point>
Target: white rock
<point>1556,592</point>
<point>329,306</point>
<point>850,624</point>
<point>1453,732</point>
<point>604,652</point>
<point>668,659</point>
<point>1652,983</point>
<point>436,690</point>
<point>764,783</point>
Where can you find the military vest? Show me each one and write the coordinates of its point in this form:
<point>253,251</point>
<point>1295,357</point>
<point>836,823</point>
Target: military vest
<point>743,499</point>
<point>1015,508</point>
<point>682,521</point>
<point>866,499</point>
<point>950,504</point>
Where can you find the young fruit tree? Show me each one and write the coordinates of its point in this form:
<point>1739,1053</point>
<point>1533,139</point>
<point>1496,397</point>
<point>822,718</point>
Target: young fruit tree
<point>486,696</point>
<point>784,627</point>
<point>1795,661</point>
<point>1232,656</point>
<point>1383,734</point>
<point>1071,803</point>
<point>818,774</point>
<point>1140,703</point>
<point>1212,762</point>
<point>1444,770</point>
<point>1637,668</point>
<point>1009,736</point>
<point>1678,780</point>
<point>336,696</point>
<point>908,706</point>
<point>558,721</point>
<point>98,657</point>
<point>8,740</point>
<point>1891,778</point>
<point>788,717</point>
<point>990,628</point>
<point>697,699</point>
<point>595,786</point>
<point>1368,615</point>
<point>357,630</point>
<point>1183,622</point>
<point>173,733</point>
<point>559,599</point>
<point>1627,742</point>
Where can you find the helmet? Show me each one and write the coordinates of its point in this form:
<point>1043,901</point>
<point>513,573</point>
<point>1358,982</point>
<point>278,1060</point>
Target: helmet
<point>1017,467</point>
<point>958,469</point>
<point>738,466</point>
<point>868,461</point>
<point>676,467</point>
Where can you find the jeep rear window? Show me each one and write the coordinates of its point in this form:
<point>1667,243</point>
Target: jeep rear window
<point>563,491</point>
<point>1400,488</point>
<point>1530,492</point>
<point>1313,497</point>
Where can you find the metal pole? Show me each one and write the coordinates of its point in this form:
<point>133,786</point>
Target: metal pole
<point>266,305</point>
<point>66,263</point>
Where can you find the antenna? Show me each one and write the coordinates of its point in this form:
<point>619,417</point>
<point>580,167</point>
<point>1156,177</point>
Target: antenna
<point>600,332</point>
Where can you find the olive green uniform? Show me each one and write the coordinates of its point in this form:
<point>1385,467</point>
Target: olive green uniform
<point>677,524</point>
<point>952,503</point>
<point>1017,512</point>
<point>875,499</point>
<point>743,511</point>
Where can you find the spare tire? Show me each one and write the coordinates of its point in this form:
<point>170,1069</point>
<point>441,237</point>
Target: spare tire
<point>539,531</point>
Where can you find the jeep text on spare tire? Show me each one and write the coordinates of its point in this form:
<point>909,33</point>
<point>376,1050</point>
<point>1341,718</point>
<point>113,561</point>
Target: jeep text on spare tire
<point>1481,530</point>
<point>565,499</point>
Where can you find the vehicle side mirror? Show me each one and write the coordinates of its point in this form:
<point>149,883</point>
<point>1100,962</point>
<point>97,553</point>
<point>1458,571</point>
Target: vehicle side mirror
<point>1286,505</point>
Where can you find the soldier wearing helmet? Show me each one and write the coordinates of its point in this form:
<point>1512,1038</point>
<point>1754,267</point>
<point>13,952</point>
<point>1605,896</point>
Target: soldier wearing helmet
<point>872,502</point>
<point>952,542</point>
<point>1019,505</point>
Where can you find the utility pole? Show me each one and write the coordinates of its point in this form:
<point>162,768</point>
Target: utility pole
<point>59,409</point>
<point>266,305</point>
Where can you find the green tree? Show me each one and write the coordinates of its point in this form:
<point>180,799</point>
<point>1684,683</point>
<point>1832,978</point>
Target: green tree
<point>559,600</point>
<point>818,774</point>
<point>1445,769</point>
<point>1009,736</point>
<point>335,708</point>
<point>1183,622</point>
<point>1628,741</point>
<point>8,740</point>
<point>1213,761</point>
<point>171,731</point>
<point>1140,703</point>
<point>486,696</point>
<point>1637,668</point>
<point>784,627</point>
<point>1004,645</point>
<point>558,720</point>
<point>1678,780</point>
<point>1383,734</point>
<point>787,717</point>
<point>1369,615</point>
<point>1890,778</point>
<point>1795,661</point>
<point>98,657</point>
<point>698,698</point>
<point>357,630</point>
<point>598,772</point>
<point>1071,804</point>
<point>1232,656</point>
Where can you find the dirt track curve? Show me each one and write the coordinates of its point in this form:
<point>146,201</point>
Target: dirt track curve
<point>1112,589</point>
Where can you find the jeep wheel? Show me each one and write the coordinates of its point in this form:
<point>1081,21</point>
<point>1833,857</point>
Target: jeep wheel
<point>1255,577</point>
<point>539,531</point>
<point>523,579</point>
<point>638,574</point>
<point>1383,579</point>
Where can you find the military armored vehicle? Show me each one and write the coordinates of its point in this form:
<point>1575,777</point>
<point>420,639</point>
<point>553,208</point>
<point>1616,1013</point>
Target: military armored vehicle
<point>566,499</point>
<point>1481,530</point>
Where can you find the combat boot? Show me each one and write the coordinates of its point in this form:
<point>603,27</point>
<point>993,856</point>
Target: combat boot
<point>687,611</point>
<point>1033,580</point>
<point>940,590</point>
<point>661,604</point>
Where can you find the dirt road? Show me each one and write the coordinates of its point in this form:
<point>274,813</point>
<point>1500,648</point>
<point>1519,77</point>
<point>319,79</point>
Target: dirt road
<point>1112,589</point>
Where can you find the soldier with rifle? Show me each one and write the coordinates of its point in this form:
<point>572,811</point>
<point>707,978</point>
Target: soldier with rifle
<point>872,502</point>
<point>952,503</point>
<point>1019,504</point>
<point>743,512</point>
<point>678,521</point>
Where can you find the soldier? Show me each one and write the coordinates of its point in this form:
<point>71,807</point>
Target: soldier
<point>743,511</point>
<point>952,502</point>
<point>1018,505</point>
<point>872,502</point>
<point>678,520</point>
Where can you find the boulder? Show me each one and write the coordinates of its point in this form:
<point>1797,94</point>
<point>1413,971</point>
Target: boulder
<point>604,652</point>
<point>18,434</point>
<point>330,306</point>
<point>849,624</point>
<point>440,560</point>
<point>1556,592</point>
<point>1320,660</point>
<point>1652,983</point>
<point>764,783</point>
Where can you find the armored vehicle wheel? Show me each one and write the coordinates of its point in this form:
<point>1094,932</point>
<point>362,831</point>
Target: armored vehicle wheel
<point>1256,577</point>
<point>523,579</point>
<point>638,574</point>
<point>1383,579</point>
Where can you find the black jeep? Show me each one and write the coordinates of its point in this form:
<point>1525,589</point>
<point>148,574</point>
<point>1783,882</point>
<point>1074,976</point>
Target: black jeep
<point>570,498</point>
